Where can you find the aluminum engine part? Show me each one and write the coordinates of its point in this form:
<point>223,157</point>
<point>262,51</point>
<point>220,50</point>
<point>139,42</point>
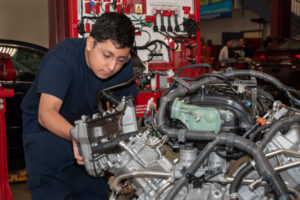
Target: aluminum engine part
<point>142,154</point>
<point>187,156</point>
<point>208,191</point>
<point>138,156</point>
<point>91,132</point>
<point>291,141</point>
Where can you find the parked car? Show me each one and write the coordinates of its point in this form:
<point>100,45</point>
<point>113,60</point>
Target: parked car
<point>25,58</point>
<point>283,62</point>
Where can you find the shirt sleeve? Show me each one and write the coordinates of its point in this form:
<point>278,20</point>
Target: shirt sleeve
<point>55,78</point>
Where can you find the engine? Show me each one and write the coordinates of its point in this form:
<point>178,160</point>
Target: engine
<point>219,136</point>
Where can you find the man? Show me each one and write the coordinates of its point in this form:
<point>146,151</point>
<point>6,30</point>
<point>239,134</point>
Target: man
<point>65,88</point>
<point>244,53</point>
<point>240,50</point>
<point>224,53</point>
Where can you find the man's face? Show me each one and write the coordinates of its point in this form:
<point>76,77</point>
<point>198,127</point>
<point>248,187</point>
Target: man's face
<point>229,43</point>
<point>241,42</point>
<point>104,59</point>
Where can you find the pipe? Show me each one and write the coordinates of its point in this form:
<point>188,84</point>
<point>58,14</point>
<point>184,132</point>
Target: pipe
<point>227,179</point>
<point>161,190</point>
<point>143,173</point>
<point>295,193</point>
<point>249,167</point>
<point>285,152</point>
<point>287,166</point>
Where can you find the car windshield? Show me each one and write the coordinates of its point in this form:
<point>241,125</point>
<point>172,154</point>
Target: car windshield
<point>25,60</point>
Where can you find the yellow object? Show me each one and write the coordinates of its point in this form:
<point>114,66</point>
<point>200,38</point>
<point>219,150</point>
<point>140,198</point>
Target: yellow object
<point>20,176</point>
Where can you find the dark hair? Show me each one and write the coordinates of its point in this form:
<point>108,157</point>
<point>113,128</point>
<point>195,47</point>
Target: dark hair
<point>116,27</point>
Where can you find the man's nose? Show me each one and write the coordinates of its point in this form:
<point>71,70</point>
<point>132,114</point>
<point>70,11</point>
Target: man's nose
<point>111,65</point>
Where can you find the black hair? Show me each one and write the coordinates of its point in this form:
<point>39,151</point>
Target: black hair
<point>227,40</point>
<point>116,27</point>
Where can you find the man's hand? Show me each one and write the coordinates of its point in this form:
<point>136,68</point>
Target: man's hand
<point>77,156</point>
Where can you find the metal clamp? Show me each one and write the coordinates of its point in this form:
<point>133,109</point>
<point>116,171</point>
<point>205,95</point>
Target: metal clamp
<point>181,135</point>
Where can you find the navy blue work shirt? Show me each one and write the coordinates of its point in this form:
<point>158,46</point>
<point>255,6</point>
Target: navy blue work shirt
<point>64,73</point>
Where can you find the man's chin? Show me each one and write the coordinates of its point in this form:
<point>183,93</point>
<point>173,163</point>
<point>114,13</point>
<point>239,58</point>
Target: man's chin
<point>104,76</point>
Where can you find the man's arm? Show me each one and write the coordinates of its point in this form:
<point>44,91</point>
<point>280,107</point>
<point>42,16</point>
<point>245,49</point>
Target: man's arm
<point>221,55</point>
<point>49,118</point>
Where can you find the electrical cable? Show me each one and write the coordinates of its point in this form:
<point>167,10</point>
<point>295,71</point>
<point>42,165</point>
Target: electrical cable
<point>151,55</point>
<point>177,28</point>
<point>253,128</point>
<point>155,41</point>
<point>175,39</point>
<point>259,130</point>
<point>193,66</point>
<point>169,28</point>
<point>141,31</point>
<point>162,25</point>
<point>155,27</point>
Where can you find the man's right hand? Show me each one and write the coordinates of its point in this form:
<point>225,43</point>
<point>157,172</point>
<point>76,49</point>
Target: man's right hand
<point>77,156</point>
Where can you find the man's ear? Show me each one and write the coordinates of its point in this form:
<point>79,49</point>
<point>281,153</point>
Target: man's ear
<point>89,43</point>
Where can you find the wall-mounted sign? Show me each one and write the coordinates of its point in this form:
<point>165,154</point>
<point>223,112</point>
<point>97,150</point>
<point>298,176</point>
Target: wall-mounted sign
<point>214,9</point>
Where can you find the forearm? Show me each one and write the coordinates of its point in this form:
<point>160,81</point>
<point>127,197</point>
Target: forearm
<point>55,123</point>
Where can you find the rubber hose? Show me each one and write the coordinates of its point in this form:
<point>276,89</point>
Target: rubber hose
<point>239,177</point>
<point>276,127</point>
<point>192,169</point>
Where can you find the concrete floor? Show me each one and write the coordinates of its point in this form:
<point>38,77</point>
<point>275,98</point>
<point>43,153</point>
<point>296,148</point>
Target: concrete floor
<point>20,191</point>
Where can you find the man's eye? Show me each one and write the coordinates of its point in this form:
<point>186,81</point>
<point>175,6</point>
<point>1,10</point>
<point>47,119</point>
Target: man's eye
<point>107,56</point>
<point>122,60</point>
